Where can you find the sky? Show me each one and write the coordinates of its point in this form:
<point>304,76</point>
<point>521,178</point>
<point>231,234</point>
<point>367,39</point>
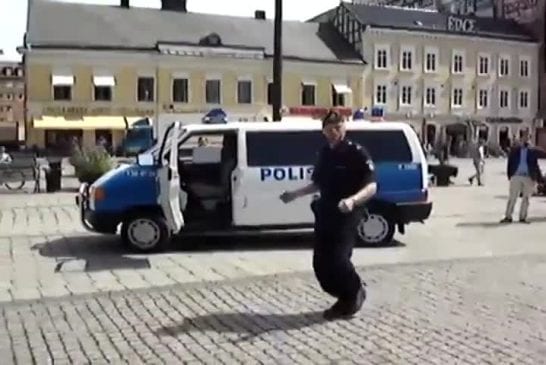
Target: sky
<point>13,14</point>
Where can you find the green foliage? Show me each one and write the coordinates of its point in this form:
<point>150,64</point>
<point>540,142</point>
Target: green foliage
<point>91,163</point>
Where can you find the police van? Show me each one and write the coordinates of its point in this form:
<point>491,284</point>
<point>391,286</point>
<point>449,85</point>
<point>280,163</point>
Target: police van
<point>209,179</point>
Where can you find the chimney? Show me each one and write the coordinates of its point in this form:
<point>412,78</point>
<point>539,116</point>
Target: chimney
<point>259,14</point>
<point>175,5</point>
<point>124,4</point>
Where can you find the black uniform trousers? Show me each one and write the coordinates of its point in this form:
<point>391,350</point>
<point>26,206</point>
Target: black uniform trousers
<point>335,236</point>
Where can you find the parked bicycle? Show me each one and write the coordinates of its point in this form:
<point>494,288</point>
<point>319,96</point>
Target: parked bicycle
<point>13,179</point>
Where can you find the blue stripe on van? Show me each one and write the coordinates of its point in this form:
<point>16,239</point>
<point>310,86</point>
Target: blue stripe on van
<point>399,182</point>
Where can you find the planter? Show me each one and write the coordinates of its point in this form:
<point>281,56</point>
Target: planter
<point>88,178</point>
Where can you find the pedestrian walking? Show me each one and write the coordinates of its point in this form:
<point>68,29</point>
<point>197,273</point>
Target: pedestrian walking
<point>344,175</point>
<point>478,159</point>
<point>523,173</point>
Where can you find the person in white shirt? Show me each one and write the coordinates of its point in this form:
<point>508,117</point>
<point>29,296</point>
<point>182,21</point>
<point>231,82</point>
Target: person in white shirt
<point>478,158</point>
<point>5,158</point>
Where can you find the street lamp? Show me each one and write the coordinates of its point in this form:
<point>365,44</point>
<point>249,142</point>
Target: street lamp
<point>277,63</point>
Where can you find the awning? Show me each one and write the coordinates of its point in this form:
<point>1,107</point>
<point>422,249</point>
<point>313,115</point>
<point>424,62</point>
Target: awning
<point>62,80</point>
<point>104,81</point>
<point>85,123</point>
<point>342,88</point>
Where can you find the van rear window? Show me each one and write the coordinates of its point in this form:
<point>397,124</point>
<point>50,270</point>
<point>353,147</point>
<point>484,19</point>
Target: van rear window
<point>300,148</point>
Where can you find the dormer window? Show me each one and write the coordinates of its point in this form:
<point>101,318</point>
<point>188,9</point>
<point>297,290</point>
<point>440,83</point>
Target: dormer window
<point>212,40</point>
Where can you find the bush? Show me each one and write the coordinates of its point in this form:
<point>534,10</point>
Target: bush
<point>90,164</point>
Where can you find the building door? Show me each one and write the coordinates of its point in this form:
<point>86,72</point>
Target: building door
<point>504,138</point>
<point>431,134</point>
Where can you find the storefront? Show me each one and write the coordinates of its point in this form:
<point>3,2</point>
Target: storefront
<point>61,134</point>
<point>60,127</point>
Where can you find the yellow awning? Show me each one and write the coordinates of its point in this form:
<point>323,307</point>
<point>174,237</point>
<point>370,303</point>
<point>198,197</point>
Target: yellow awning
<point>86,123</point>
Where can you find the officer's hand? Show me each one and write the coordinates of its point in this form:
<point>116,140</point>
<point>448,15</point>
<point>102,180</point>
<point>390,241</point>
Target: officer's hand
<point>346,205</point>
<point>287,197</point>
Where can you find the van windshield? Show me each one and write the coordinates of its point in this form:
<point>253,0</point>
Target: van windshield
<point>301,148</point>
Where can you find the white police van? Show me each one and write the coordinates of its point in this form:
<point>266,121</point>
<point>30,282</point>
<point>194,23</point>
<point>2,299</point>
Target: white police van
<point>226,178</point>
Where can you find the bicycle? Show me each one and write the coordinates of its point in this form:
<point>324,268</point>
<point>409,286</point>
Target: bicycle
<point>12,179</point>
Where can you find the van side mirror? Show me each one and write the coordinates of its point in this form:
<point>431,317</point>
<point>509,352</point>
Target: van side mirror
<point>145,159</point>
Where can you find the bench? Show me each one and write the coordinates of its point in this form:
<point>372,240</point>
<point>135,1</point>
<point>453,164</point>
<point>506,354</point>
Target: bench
<point>21,169</point>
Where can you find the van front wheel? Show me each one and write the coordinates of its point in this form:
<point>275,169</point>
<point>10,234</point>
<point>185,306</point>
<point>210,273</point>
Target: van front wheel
<point>146,233</point>
<point>375,230</point>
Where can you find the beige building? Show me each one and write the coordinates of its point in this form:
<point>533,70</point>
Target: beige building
<point>87,81</point>
<point>12,104</point>
<point>444,73</point>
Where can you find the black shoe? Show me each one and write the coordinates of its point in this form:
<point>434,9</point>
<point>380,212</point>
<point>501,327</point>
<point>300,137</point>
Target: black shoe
<point>471,181</point>
<point>355,305</point>
<point>506,220</point>
<point>334,312</point>
<point>524,221</point>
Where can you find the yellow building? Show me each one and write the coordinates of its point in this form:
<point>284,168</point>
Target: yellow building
<point>91,70</point>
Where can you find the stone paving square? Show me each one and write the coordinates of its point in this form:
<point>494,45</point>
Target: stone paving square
<point>489,311</point>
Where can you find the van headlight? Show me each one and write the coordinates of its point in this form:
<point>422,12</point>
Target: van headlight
<point>96,194</point>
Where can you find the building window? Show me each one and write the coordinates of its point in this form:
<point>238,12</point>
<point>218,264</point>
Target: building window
<point>405,95</point>
<point>406,60</point>
<point>21,96</point>
<point>9,97</point>
<point>308,94</point>
<point>483,65</point>
<point>483,99</point>
<point>504,99</point>
<point>430,61</point>
<point>523,99</point>
<point>504,66</point>
<point>244,92</point>
<point>19,72</point>
<point>180,90</point>
<point>338,99</point>
<point>430,96</point>
<point>145,89</point>
<point>62,92</point>
<point>103,93</point>
<point>213,92</point>
<point>270,93</point>
<point>381,58</point>
<point>457,97</point>
<point>524,68</point>
<point>381,95</point>
<point>458,62</point>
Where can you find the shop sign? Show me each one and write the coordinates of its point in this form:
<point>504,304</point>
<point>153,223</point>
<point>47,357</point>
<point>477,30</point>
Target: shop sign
<point>462,25</point>
<point>504,120</point>
<point>80,111</point>
<point>317,112</point>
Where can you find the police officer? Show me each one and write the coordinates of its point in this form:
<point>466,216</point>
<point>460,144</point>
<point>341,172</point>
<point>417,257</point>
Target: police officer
<point>344,175</point>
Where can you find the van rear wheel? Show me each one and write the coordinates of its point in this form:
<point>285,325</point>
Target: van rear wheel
<point>146,233</point>
<point>375,230</point>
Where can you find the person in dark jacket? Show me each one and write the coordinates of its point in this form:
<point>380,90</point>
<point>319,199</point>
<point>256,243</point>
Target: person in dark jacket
<point>344,176</point>
<point>523,173</point>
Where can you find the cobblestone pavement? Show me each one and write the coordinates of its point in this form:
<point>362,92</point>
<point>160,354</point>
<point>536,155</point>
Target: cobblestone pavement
<point>44,251</point>
<point>487,311</point>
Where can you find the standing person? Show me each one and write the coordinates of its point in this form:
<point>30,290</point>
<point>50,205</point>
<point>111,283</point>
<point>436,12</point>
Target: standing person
<point>478,158</point>
<point>344,175</point>
<point>5,158</point>
<point>523,173</point>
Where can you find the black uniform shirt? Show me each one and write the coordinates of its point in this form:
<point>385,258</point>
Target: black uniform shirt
<point>342,171</point>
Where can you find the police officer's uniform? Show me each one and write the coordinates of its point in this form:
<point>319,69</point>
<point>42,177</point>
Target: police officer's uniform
<point>340,172</point>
